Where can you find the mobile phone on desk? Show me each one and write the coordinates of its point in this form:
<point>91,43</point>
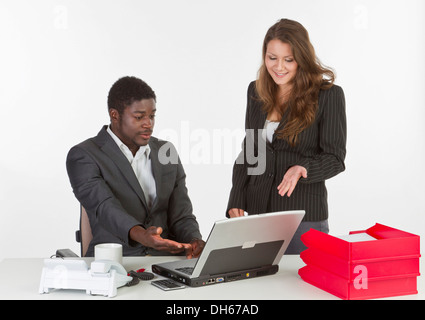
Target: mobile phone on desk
<point>168,284</point>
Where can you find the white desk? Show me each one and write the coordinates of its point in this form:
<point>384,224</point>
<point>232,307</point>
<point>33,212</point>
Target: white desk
<point>20,279</point>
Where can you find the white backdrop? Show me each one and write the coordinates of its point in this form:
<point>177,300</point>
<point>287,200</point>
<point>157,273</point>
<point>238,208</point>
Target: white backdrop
<point>58,60</point>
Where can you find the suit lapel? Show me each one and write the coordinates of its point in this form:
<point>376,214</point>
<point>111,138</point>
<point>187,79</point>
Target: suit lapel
<point>156,168</point>
<point>262,116</point>
<point>110,148</point>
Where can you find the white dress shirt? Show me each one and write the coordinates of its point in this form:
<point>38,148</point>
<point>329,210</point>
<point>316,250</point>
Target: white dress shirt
<point>141,164</point>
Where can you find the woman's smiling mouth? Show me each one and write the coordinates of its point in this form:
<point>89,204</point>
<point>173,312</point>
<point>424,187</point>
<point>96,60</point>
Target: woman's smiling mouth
<point>280,75</point>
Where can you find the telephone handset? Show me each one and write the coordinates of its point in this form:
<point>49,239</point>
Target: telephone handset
<point>105,266</point>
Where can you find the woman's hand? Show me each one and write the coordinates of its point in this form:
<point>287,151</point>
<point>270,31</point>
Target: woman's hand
<point>233,213</point>
<point>290,180</point>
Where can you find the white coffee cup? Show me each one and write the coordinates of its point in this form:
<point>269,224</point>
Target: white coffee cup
<point>108,251</point>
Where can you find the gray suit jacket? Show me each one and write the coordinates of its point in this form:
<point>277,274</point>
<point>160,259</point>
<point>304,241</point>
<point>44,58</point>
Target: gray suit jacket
<point>104,183</point>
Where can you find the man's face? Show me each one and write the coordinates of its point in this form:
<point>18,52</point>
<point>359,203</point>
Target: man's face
<point>134,127</point>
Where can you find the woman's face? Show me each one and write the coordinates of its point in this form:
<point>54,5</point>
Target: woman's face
<point>280,62</point>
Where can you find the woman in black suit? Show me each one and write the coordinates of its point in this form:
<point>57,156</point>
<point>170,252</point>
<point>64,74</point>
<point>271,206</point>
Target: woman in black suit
<point>297,111</point>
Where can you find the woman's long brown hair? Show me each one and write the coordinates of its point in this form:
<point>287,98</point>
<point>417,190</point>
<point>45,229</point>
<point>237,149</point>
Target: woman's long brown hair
<point>302,102</point>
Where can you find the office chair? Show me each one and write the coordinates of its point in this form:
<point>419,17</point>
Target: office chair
<point>84,235</point>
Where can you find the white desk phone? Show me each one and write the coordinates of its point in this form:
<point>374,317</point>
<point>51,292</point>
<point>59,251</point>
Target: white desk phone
<point>103,277</point>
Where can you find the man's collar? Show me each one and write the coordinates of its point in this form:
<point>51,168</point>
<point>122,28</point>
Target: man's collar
<point>122,146</point>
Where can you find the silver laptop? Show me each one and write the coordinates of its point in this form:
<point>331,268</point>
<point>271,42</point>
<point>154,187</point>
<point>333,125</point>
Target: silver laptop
<point>236,249</point>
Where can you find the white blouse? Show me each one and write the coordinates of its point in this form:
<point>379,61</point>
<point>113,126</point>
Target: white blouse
<point>269,129</point>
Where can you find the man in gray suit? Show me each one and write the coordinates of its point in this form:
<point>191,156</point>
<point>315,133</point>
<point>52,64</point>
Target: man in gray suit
<point>133,194</point>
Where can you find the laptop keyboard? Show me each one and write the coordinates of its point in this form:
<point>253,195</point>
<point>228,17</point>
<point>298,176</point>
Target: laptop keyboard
<point>186,270</point>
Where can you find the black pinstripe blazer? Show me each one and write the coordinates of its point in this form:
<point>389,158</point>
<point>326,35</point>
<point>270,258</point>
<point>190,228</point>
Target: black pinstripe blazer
<point>321,150</point>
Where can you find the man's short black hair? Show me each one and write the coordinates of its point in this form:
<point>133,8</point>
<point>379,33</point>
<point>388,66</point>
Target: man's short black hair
<point>126,90</point>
